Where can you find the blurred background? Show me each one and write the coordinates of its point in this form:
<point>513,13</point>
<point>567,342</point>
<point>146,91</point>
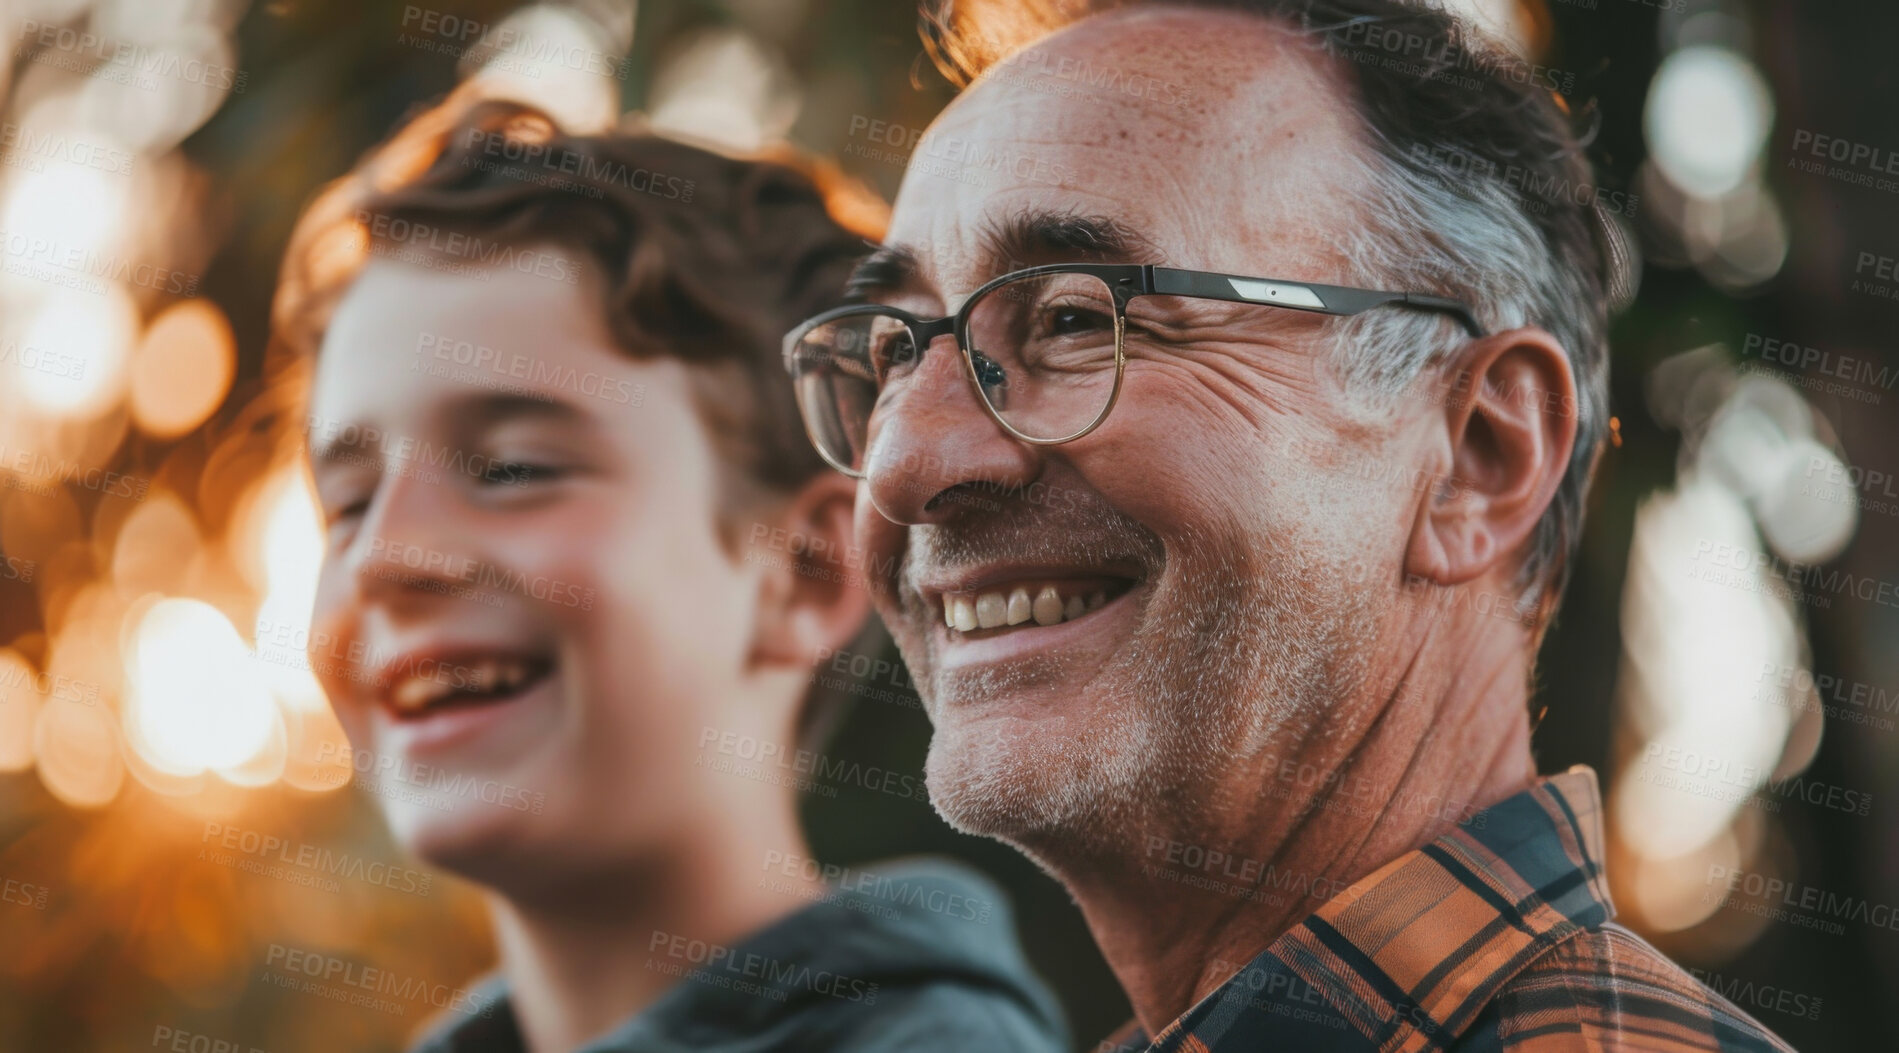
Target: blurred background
<point>1727,656</point>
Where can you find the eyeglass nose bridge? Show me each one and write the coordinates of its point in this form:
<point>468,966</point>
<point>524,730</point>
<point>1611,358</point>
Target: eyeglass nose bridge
<point>925,331</point>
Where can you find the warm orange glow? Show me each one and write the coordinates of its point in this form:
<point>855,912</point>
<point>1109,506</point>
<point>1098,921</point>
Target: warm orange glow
<point>194,698</point>
<point>79,340</point>
<point>77,747</point>
<point>182,369</point>
<point>19,707</point>
<point>156,546</point>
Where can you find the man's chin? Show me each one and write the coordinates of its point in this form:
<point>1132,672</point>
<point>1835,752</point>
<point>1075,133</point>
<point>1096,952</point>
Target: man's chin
<point>1015,773</point>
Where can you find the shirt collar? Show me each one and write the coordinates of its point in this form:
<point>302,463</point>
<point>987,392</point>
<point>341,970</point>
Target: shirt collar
<point>1409,955</point>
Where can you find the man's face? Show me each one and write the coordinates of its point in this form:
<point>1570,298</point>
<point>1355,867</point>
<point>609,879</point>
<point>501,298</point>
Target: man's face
<point>1243,584</point>
<point>525,614</point>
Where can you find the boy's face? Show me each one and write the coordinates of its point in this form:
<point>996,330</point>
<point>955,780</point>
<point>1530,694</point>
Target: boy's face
<point>526,614</point>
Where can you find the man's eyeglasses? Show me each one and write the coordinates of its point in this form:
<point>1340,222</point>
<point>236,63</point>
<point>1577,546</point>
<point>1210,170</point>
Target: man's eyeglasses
<point>1045,347</point>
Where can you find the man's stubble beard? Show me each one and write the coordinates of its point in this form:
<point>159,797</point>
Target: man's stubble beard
<point>1239,654</point>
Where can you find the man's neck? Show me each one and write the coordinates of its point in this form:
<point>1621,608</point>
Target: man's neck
<point>579,964</point>
<point>1435,743</point>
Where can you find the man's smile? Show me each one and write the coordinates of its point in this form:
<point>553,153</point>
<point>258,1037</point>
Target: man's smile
<point>993,613</point>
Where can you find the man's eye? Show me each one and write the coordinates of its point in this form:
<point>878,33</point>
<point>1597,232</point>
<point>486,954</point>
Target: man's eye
<point>1067,320</point>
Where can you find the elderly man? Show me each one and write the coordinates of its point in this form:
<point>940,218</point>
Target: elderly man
<point>1224,398</point>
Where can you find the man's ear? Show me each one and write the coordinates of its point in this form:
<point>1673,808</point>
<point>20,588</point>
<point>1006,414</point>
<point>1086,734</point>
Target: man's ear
<point>810,598</point>
<point>1510,418</point>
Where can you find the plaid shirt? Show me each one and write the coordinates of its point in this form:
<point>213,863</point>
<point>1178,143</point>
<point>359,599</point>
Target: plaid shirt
<point>1496,936</point>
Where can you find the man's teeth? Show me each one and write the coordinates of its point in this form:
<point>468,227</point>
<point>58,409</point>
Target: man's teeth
<point>490,676</point>
<point>1017,606</point>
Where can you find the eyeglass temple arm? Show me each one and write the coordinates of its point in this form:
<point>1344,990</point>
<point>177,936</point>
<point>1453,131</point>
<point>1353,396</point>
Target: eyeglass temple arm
<point>1300,296</point>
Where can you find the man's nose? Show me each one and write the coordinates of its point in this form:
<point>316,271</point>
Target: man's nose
<point>933,437</point>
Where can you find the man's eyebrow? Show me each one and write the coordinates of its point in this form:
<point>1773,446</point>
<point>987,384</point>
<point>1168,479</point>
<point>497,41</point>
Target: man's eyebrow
<point>886,269</point>
<point>1049,235</point>
<point>1030,235</point>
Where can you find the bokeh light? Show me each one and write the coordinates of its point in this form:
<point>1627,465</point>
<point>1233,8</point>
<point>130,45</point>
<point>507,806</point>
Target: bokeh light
<point>182,369</point>
<point>1708,114</point>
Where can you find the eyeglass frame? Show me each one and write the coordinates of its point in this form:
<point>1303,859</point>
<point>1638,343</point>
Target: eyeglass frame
<point>1125,281</point>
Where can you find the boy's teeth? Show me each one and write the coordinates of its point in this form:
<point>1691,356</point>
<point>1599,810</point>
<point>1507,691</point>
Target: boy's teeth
<point>489,676</point>
<point>1048,606</point>
<point>413,694</point>
<point>1017,606</point>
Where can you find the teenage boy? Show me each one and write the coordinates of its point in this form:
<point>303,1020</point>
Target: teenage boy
<point>553,445</point>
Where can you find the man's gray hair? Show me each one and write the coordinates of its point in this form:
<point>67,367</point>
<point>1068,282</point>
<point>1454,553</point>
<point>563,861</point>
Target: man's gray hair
<point>1478,189</point>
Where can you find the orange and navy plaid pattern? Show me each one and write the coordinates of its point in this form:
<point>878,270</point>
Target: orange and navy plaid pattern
<point>1496,936</point>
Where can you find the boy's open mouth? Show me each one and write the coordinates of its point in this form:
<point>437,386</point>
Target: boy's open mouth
<point>434,683</point>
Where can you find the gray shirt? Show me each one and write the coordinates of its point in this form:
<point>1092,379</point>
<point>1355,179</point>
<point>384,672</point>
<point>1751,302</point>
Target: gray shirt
<point>916,955</point>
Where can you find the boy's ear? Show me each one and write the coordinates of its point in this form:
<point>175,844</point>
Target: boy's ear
<point>1510,421</point>
<point>810,599</point>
